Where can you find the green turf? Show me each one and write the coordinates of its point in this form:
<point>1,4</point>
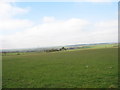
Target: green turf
<point>92,68</point>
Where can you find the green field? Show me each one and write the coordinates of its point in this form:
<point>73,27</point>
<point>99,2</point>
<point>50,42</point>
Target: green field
<point>90,68</point>
<point>100,46</point>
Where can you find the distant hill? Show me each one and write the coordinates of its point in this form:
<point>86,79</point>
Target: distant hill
<point>48,48</point>
<point>76,45</point>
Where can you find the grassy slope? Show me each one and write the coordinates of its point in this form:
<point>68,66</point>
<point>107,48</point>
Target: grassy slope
<point>96,68</point>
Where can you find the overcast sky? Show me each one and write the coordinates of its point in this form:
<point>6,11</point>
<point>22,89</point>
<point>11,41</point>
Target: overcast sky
<point>43,24</point>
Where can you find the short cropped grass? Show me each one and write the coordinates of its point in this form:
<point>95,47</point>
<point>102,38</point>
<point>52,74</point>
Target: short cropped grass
<point>93,68</point>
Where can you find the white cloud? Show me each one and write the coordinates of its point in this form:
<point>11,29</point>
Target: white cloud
<point>46,34</point>
<point>106,31</point>
<point>52,32</point>
<point>111,23</point>
<point>48,19</point>
<point>65,32</point>
<point>7,20</point>
<point>8,0</point>
<point>8,10</point>
<point>14,24</point>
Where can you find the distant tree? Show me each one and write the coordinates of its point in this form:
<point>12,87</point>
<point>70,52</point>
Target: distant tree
<point>63,48</point>
<point>51,50</point>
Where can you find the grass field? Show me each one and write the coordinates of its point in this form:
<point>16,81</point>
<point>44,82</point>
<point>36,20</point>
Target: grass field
<point>92,68</point>
<point>101,46</point>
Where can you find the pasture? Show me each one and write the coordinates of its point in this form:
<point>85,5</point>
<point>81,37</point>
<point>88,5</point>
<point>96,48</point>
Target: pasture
<point>89,68</point>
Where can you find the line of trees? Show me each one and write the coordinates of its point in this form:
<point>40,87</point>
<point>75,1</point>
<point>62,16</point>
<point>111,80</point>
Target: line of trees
<point>18,52</point>
<point>54,50</point>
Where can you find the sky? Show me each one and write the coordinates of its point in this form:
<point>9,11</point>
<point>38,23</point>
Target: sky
<point>45,24</point>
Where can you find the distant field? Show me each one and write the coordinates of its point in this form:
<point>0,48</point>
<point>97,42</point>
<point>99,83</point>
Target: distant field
<point>99,46</point>
<point>103,46</point>
<point>90,68</point>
